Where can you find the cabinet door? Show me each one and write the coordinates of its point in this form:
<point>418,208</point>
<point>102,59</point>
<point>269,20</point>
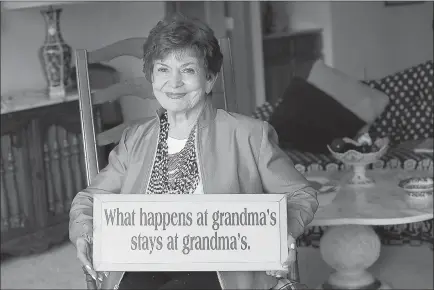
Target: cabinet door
<point>17,211</point>
<point>42,168</point>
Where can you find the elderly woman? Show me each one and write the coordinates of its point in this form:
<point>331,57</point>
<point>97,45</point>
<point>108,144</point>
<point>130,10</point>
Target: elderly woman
<point>189,147</point>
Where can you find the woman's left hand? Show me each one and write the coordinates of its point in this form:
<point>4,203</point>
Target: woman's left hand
<point>288,263</point>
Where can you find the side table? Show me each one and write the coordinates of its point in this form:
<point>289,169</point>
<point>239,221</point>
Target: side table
<point>350,245</point>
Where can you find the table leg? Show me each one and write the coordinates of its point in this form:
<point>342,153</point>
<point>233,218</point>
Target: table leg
<point>351,250</point>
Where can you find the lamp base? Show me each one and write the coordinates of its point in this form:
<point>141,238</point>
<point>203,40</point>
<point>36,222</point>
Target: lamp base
<point>55,93</point>
<point>55,56</point>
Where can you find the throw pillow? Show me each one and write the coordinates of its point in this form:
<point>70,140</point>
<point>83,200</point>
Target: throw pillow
<point>363,101</point>
<point>409,115</point>
<point>309,118</point>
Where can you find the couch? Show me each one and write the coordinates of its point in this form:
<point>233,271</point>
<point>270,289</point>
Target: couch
<point>399,106</point>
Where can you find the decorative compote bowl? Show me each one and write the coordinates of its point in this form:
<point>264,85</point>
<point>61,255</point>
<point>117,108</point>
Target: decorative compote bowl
<point>359,154</point>
<point>419,191</point>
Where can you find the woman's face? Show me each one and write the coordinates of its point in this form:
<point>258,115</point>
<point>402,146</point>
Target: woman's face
<point>180,82</point>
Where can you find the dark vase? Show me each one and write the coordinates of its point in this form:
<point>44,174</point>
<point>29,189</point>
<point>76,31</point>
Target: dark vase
<point>268,25</point>
<point>55,55</point>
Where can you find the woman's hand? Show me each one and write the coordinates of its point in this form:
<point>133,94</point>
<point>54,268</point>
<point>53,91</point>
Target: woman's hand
<point>289,262</point>
<point>287,265</point>
<point>84,254</point>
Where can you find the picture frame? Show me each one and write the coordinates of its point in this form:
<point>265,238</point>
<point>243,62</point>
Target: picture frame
<point>401,3</point>
<point>121,245</point>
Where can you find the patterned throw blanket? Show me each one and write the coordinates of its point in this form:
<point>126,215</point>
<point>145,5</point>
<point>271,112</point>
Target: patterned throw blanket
<point>394,158</point>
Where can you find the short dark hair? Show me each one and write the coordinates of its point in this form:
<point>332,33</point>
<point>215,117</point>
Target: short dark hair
<point>178,33</point>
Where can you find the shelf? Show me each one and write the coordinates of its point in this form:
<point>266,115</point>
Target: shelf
<point>17,5</point>
<point>32,99</point>
<point>289,33</point>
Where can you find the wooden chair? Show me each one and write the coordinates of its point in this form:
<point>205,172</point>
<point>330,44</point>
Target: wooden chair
<point>223,97</point>
<point>93,140</point>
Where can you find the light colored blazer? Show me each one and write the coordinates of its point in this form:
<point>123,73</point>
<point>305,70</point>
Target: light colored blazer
<point>236,154</point>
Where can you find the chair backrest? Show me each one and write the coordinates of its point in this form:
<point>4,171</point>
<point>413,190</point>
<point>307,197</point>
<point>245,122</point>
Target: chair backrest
<point>88,99</point>
<point>224,94</point>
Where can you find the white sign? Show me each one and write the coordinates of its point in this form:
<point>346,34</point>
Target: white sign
<point>208,232</point>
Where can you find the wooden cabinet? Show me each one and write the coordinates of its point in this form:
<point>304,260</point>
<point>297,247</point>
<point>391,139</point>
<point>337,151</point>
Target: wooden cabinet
<point>42,169</point>
<point>288,55</point>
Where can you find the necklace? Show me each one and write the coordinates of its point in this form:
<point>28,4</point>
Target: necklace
<point>176,173</point>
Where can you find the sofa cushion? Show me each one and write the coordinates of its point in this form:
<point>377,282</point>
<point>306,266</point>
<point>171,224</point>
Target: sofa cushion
<point>409,115</point>
<point>363,101</point>
<point>263,112</point>
<point>308,119</point>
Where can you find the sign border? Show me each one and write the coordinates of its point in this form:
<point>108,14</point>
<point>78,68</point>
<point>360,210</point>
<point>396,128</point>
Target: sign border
<point>103,265</point>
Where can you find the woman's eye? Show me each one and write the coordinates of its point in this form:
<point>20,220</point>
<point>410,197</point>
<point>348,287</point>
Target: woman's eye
<point>189,70</point>
<point>162,69</point>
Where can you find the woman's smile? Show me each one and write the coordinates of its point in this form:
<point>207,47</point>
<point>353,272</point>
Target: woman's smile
<point>175,96</point>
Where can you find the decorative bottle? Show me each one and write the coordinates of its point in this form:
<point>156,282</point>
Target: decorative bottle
<point>55,55</point>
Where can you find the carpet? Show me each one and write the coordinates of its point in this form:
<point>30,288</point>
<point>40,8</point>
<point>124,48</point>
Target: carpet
<point>403,267</point>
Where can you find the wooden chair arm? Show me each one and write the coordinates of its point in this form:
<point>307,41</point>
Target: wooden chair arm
<point>90,283</point>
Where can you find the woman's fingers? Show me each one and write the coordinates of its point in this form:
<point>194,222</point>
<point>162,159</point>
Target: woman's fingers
<point>281,274</point>
<point>286,265</point>
<point>89,270</point>
<point>291,257</point>
<point>83,254</point>
<point>290,261</point>
<point>274,273</point>
<point>277,273</point>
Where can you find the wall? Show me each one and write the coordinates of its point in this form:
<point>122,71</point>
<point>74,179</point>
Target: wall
<point>85,25</point>
<point>313,14</point>
<point>258,64</point>
<point>368,39</point>
<point>380,39</point>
